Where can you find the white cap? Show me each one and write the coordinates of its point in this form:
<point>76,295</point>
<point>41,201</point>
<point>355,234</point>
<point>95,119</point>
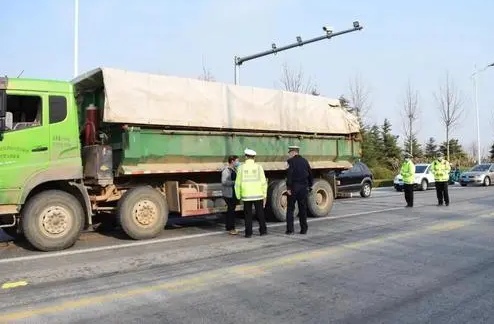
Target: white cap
<point>250,152</point>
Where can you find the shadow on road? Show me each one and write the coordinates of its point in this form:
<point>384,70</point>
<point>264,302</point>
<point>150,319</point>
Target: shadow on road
<point>108,227</point>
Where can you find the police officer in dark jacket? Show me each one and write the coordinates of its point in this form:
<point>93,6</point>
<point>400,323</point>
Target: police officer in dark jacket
<point>299,183</point>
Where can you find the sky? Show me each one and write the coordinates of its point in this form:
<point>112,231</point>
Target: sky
<point>419,41</point>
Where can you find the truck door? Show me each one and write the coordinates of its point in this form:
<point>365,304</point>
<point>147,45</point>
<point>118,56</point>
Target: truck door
<point>65,152</point>
<point>24,148</point>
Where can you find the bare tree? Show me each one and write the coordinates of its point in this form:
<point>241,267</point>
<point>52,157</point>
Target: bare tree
<point>410,113</point>
<point>206,74</point>
<point>450,105</point>
<point>473,149</point>
<point>295,81</point>
<point>359,97</point>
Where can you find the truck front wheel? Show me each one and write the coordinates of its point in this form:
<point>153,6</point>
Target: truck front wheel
<point>142,213</point>
<point>52,220</point>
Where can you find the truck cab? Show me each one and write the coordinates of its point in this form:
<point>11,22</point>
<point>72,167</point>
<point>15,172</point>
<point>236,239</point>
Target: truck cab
<point>39,148</point>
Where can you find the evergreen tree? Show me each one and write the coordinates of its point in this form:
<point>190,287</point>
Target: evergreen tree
<point>456,151</point>
<point>492,152</point>
<point>416,147</point>
<point>430,148</point>
<point>391,152</point>
<point>371,145</point>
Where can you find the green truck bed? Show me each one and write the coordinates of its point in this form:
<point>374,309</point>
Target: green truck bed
<point>146,150</point>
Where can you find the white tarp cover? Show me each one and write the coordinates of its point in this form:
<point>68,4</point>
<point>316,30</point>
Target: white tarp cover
<point>141,98</point>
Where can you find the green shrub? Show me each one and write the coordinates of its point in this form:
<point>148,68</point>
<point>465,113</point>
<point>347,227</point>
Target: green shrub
<point>383,183</point>
<point>380,172</point>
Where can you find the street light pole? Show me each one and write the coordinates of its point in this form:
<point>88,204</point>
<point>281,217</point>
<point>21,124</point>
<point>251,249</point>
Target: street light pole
<point>236,70</point>
<point>329,34</point>
<point>476,98</point>
<point>76,38</point>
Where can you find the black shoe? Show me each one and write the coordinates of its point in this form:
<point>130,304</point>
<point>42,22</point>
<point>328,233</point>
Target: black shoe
<point>439,204</point>
<point>408,206</point>
<point>447,204</point>
<point>303,232</point>
<point>289,232</point>
<point>248,235</point>
<point>263,233</point>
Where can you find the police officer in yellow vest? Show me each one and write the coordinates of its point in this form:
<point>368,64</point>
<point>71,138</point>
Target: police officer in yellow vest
<point>408,174</point>
<point>441,168</point>
<point>251,187</point>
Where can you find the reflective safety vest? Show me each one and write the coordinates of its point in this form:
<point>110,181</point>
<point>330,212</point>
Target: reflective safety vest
<point>251,182</point>
<point>441,170</point>
<point>408,172</point>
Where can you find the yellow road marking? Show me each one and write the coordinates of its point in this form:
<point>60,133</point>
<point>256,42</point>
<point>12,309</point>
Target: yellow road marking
<point>10,285</point>
<point>196,281</point>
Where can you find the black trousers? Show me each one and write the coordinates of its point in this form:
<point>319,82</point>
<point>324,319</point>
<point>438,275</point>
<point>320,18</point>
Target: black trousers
<point>231,203</point>
<point>408,188</point>
<point>299,196</point>
<point>442,192</point>
<point>258,205</point>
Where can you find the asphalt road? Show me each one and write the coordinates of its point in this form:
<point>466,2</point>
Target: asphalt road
<point>372,261</point>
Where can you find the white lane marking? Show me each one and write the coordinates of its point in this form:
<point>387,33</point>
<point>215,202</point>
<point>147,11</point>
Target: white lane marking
<point>171,239</point>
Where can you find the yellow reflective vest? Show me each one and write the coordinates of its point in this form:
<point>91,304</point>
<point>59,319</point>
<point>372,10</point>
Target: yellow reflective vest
<point>251,183</point>
<point>440,170</point>
<point>408,172</point>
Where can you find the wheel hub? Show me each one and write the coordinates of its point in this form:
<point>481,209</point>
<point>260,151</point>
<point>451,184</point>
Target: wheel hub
<point>321,198</point>
<point>145,212</point>
<point>55,220</point>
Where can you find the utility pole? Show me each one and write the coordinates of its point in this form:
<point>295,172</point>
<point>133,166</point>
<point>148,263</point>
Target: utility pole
<point>76,38</point>
<point>329,34</point>
<point>476,96</point>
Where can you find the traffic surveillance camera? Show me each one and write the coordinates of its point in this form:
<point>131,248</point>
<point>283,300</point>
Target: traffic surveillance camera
<point>299,39</point>
<point>273,46</point>
<point>356,24</point>
<point>327,29</point>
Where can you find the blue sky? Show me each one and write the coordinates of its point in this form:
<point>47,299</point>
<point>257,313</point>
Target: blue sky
<point>420,40</point>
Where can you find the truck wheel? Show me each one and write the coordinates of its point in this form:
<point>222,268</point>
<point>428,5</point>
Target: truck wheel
<point>52,220</point>
<point>277,200</point>
<point>321,198</point>
<point>142,213</point>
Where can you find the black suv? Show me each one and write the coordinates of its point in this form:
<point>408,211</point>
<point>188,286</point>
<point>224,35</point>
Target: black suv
<point>357,179</point>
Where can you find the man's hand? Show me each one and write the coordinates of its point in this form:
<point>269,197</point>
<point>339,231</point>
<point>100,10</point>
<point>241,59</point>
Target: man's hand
<point>264,203</point>
<point>289,192</point>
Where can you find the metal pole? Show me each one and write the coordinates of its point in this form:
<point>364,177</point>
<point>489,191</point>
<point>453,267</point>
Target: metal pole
<point>235,76</point>
<point>476,96</point>
<point>76,38</point>
<point>329,34</point>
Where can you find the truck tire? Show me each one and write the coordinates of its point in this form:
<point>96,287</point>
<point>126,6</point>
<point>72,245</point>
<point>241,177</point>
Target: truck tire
<point>320,201</point>
<point>277,200</point>
<point>142,213</point>
<point>52,220</point>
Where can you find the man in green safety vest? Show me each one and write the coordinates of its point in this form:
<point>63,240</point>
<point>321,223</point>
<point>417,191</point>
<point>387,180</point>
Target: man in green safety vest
<point>408,174</point>
<point>440,169</point>
<point>251,187</point>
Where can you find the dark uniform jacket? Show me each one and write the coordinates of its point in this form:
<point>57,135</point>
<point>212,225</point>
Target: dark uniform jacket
<point>299,173</point>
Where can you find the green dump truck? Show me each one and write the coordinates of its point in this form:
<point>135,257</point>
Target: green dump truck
<point>140,147</point>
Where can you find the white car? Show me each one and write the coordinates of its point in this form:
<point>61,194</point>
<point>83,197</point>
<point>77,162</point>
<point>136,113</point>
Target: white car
<point>423,178</point>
